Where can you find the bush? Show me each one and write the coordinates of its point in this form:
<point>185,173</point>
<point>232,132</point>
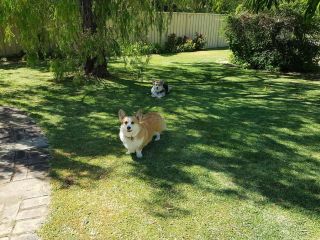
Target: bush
<point>274,40</point>
<point>171,44</point>
<point>176,44</point>
<point>199,41</point>
<point>186,46</point>
<point>146,48</point>
<point>155,48</point>
<point>136,57</point>
<point>62,68</point>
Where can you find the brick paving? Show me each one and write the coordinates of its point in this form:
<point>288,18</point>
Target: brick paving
<point>24,181</point>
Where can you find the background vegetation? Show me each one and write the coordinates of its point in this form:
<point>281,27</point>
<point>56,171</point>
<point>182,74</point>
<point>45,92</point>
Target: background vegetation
<point>276,39</point>
<point>79,36</point>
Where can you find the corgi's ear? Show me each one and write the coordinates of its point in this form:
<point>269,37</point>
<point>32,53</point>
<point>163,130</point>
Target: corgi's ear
<point>139,115</point>
<point>121,115</point>
<point>161,82</point>
<point>153,82</point>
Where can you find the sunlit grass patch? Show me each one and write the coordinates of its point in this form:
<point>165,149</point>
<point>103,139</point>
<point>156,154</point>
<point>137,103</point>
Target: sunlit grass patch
<point>240,159</point>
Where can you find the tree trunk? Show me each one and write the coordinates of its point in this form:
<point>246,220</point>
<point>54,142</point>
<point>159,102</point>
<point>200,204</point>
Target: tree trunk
<point>92,67</point>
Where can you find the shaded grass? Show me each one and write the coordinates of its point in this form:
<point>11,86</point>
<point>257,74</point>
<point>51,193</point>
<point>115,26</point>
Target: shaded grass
<point>240,158</point>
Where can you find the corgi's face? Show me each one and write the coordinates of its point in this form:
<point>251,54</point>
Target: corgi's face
<point>130,124</point>
<point>157,86</point>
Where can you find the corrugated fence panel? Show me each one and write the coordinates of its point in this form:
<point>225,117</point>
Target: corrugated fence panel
<point>222,38</point>
<point>212,33</point>
<point>211,25</point>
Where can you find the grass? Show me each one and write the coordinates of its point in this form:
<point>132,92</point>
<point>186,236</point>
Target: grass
<point>240,159</point>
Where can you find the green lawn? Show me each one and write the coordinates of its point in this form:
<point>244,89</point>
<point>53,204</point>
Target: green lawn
<point>240,159</point>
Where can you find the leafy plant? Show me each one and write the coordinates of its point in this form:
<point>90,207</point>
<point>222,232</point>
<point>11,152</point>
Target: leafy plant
<point>275,40</point>
<point>310,6</point>
<point>187,46</point>
<point>154,48</point>
<point>88,31</point>
<point>136,57</point>
<point>62,68</point>
<point>199,41</point>
<point>176,44</point>
<point>171,44</point>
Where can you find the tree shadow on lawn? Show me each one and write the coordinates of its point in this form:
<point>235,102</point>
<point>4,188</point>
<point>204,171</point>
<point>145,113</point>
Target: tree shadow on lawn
<point>8,65</point>
<point>259,123</point>
<point>223,119</point>
<point>82,174</point>
<point>72,136</point>
<point>41,66</point>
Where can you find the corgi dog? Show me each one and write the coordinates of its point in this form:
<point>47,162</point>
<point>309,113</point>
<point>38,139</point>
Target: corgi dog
<point>138,130</point>
<point>159,88</point>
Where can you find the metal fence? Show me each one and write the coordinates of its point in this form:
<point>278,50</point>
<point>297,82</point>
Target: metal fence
<point>182,24</point>
<point>187,24</point>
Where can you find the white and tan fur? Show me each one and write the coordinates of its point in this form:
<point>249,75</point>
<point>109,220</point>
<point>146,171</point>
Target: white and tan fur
<point>159,88</point>
<point>137,131</point>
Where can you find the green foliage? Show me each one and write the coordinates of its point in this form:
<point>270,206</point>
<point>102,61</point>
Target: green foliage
<point>274,40</point>
<point>171,43</point>
<point>214,6</point>
<point>62,68</point>
<point>187,46</point>
<point>199,41</point>
<point>136,57</point>
<point>55,28</point>
<point>311,6</point>
<point>176,44</point>
<point>152,48</point>
<point>225,6</point>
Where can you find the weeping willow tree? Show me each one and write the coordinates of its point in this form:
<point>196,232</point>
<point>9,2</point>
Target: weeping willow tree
<point>312,6</point>
<point>80,35</point>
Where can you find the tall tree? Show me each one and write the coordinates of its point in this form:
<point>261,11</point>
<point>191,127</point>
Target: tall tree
<point>83,34</point>
<point>89,26</point>
<point>214,6</point>
<point>258,5</point>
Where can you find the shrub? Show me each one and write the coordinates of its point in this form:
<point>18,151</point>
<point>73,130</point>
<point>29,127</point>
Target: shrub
<point>136,57</point>
<point>176,44</point>
<point>146,48</point>
<point>199,41</point>
<point>274,40</point>
<point>62,68</point>
<point>171,44</point>
<point>187,46</point>
<point>155,48</point>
